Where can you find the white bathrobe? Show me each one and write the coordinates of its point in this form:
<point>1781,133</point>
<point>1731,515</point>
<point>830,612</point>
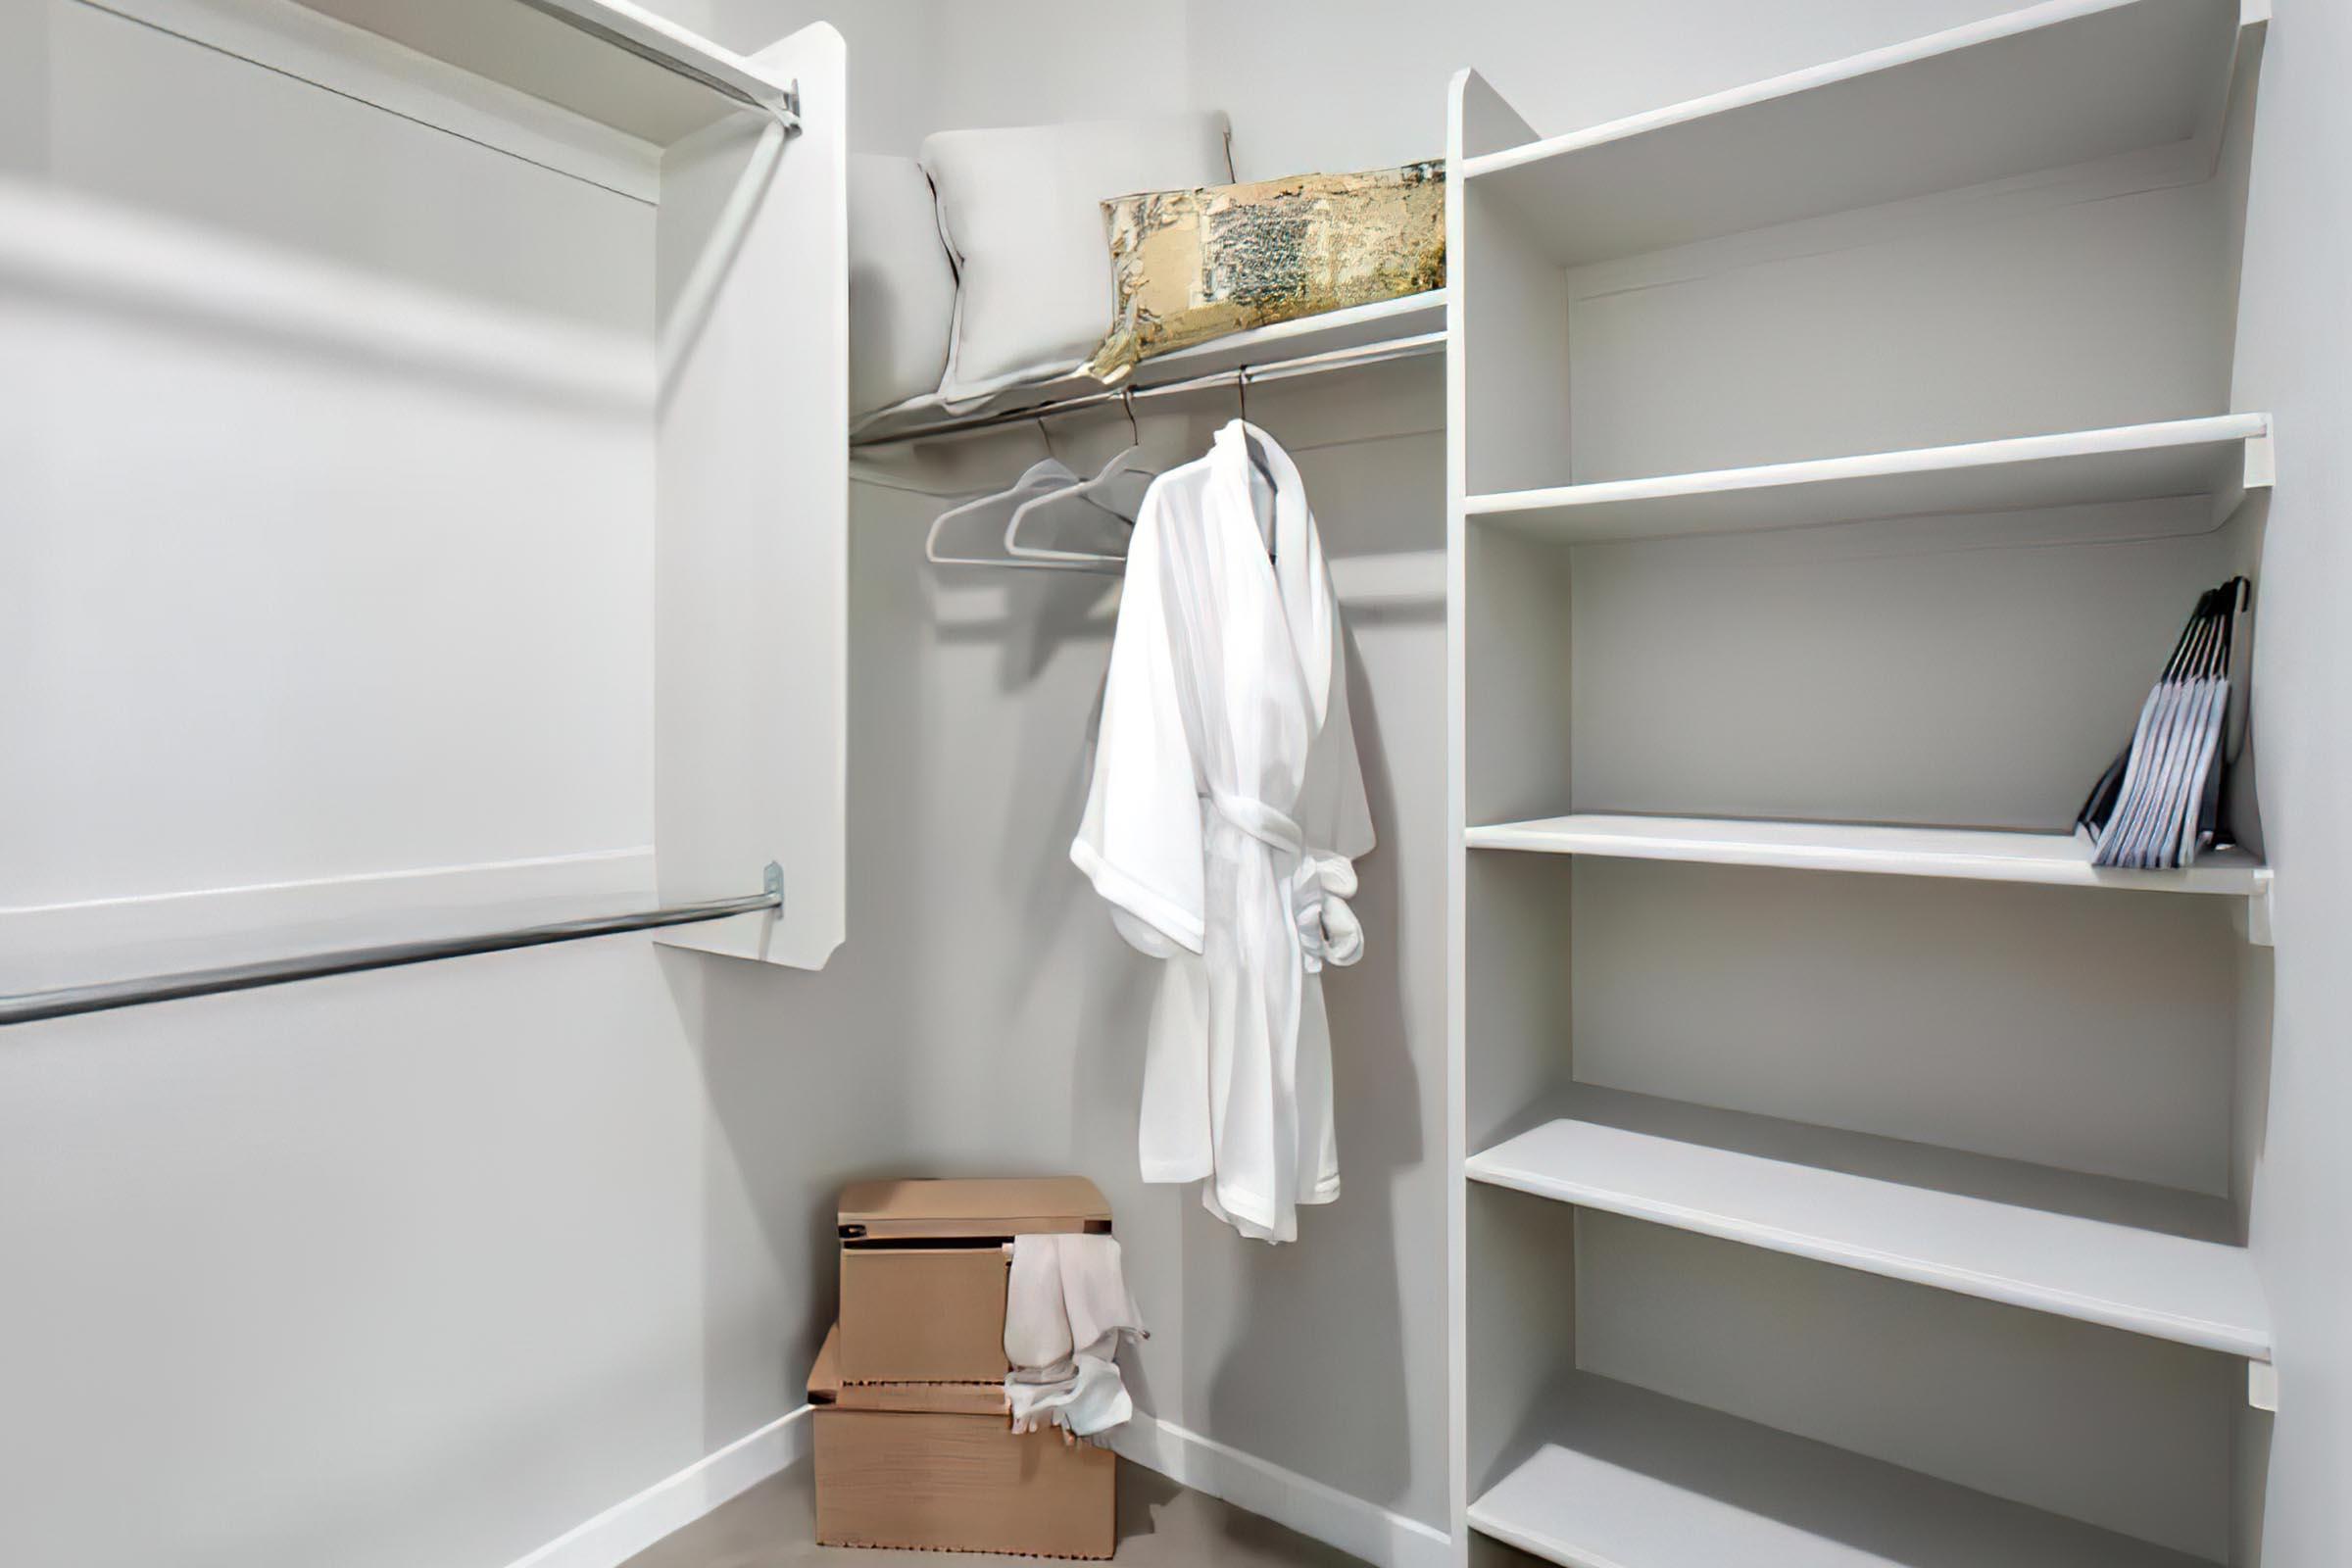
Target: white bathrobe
<point>1226,808</point>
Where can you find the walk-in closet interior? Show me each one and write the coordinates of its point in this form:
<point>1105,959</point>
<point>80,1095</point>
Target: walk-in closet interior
<point>630,628</point>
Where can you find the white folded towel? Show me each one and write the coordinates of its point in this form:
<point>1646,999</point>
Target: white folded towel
<point>1066,1304</point>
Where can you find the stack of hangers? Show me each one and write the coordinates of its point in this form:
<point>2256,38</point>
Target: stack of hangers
<point>2160,803</point>
<point>1047,500</point>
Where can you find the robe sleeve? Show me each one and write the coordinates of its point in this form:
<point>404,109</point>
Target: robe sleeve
<point>1139,840</point>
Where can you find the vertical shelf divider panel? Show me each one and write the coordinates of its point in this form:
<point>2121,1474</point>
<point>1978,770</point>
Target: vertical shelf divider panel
<point>751,575</point>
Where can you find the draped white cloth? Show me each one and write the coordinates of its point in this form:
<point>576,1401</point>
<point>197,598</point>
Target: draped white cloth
<point>1066,1308</point>
<point>1226,810</point>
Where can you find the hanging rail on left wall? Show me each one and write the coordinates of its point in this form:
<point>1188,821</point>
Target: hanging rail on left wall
<point>68,1001</point>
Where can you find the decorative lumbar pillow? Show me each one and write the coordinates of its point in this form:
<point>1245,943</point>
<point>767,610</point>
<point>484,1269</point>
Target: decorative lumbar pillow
<point>1193,265</point>
<point>902,285</point>
<point>1021,213</point>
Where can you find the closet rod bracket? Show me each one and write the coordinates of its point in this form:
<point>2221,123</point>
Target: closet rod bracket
<point>771,881</point>
<point>2262,1386</point>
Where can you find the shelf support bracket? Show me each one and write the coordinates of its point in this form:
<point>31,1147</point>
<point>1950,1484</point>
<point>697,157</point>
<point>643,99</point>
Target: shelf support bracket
<point>2258,915</point>
<point>2262,1386</point>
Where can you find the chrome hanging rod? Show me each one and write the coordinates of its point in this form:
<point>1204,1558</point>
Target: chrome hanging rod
<point>1402,347</point>
<point>70,1001</point>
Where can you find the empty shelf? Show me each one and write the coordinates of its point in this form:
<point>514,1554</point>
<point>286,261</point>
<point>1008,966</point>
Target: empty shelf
<point>1630,1479</point>
<point>1905,1222</point>
<point>2060,859</point>
<point>2218,458</point>
<point>2058,83</point>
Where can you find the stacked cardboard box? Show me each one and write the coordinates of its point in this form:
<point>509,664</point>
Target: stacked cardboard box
<point>914,1445</point>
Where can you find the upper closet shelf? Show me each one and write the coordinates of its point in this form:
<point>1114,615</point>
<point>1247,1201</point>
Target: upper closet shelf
<point>2218,460</point>
<point>2058,83</point>
<point>607,61</point>
<point>1410,327</point>
<point>1624,1478</point>
<point>2034,1248</point>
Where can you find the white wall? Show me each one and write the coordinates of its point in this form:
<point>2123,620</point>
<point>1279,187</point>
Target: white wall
<point>2294,340</point>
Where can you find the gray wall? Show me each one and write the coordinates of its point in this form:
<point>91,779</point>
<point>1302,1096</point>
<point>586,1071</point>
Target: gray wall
<point>2294,340</point>
<point>433,1266</point>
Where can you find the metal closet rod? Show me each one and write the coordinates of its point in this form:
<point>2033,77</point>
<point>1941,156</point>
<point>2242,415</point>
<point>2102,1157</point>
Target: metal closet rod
<point>1400,347</point>
<point>70,1001</point>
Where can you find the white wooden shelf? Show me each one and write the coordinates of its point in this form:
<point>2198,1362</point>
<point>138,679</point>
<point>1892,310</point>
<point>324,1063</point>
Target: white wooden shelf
<point>2217,459</point>
<point>1630,1479</point>
<point>595,58</point>
<point>1306,345</point>
<point>2057,859</point>
<point>1894,1213</point>
<point>2053,85</point>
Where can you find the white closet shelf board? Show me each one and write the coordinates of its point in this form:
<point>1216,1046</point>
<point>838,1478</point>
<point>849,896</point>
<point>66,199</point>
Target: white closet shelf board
<point>1630,1479</point>
<point>1272,348</point>
<point>2037,1253</point>
<point>2058,83</point>
<point>595,69</point>
<point>2218,458</point>
<point>2057,859</point>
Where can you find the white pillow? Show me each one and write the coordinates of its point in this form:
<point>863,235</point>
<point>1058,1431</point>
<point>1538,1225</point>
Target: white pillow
<point>1021,211</point>
<point>902,285</point>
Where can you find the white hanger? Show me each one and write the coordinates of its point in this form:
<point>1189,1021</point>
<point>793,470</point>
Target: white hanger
<point>1118,489</point>
<point>1042,478</point>
<point>1117,492</point>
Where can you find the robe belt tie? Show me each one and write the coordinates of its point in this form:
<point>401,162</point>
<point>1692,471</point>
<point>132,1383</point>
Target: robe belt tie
<point>1318,888</point>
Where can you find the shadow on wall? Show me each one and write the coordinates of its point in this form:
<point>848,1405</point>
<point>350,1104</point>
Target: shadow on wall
<point>1313,1333</point>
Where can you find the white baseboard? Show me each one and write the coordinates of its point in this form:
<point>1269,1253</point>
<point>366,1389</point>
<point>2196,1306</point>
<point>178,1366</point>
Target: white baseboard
<point>627,1528</point>
<point>1379,1535</point>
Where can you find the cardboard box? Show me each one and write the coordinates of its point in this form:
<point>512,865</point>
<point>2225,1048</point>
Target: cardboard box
<point>937,1466</point>
<point>924,1266</point>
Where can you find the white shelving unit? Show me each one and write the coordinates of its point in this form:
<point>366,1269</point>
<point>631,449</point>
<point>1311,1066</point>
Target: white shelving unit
<point>1929,178</point>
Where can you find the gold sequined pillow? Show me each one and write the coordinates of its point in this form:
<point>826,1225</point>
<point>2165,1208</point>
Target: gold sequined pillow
<point>1193,265</point>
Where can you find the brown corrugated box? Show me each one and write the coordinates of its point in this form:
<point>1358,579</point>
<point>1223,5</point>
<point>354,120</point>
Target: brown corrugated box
<point>937,1466</point>
<point>923,1265</point>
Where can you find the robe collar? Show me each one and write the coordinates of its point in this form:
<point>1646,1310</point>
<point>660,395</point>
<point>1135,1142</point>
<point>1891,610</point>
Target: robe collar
<point>1301,579</point>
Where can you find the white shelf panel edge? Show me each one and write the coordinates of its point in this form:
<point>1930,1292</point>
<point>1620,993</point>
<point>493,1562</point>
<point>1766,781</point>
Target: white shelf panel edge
<point>2057,83</point>
<point>2168,1287</point>
<point>598,63</point>
<point>2056,860</point>
<point>2219,458</point>
<point>1630,1479</point>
